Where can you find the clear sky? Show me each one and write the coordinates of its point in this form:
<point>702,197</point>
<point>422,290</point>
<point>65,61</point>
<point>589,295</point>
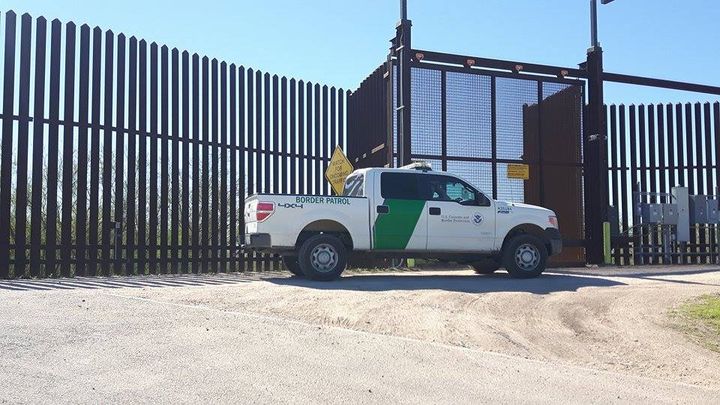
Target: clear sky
<point>340,42</point>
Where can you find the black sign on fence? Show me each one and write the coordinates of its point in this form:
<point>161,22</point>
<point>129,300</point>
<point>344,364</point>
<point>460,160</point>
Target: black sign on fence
<point>136,158</point>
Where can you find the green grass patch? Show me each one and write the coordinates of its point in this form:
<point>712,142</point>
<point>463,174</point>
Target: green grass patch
<point>700,319</point>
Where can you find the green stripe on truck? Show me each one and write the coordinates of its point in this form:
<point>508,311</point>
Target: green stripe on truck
<point>394,229</point>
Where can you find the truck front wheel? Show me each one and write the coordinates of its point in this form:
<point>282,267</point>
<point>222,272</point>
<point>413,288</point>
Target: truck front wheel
<point>525,256</point>
<point>322,257</point>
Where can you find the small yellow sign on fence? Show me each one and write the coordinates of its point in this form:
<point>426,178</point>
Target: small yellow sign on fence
<point>338,170</point>
<point>518,171</point>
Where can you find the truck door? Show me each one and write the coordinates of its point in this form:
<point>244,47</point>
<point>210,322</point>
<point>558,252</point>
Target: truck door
<point>459,218</point>
<point>399,215</point>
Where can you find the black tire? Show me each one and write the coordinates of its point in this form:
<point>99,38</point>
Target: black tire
<point>525,256</point>
<point>322,257</point>
<point>291,263</point>
<point>485,266</point>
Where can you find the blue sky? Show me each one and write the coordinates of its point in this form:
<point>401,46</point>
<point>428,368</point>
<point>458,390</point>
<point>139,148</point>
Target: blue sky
<point>340,42</point>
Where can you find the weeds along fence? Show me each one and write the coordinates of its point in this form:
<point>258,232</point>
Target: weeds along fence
<point>123,157</point>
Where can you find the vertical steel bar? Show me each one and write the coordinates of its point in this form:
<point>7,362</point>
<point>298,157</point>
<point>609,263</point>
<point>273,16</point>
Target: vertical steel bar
<point>242,147</point>
<point>293,135</point>
<point>132,158</point>
<point>302,141</point>
<point>223,196</point>
<point>625,192</point>
<point>234,153</point>
<point>319,180</point>
<point>196,147</point>
<point>633,179</point>
<point>214,145</point>
<point>68,137</point>
<point>53,138</point>
<point>175,161</point>
<point>153,134</point>
<point>614,171</point>
<point>205,202</point>
<point>119,149</point>
<point>186,163</point>
<point>107,220</point>
<point>83,125</point>
<point>21,182</point>
<point>7,143</point>
<point>36,216</point>
<point>164,159</point>
<point>142,217</point>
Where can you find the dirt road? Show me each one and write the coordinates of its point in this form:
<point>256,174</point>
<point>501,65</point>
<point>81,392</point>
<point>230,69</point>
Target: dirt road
<point>575,335</point>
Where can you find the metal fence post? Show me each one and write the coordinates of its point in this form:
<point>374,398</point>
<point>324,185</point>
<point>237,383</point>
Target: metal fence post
<point>403,50</point>
<point>596,166</point>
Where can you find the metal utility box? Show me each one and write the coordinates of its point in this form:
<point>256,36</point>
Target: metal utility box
<point>682,230</point>
<point>712,212</point>
<point>698,209</point>
<point>614,219</point>
<point>651,213</point>
<point>670,214</point>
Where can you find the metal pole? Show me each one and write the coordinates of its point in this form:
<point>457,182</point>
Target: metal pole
<point>596,167</point>
<point>593,23</point>
<point>403,52</point>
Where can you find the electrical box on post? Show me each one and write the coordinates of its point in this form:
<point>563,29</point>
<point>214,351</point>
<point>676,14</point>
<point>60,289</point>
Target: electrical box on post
<point>712,211</point>
<point>651,213</point>
<point>698,209</point>
<point>670,214</point>
<point>680,197</point>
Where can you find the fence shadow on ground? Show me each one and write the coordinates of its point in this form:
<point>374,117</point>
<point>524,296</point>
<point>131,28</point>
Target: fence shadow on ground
<point>87,283</point>
<point>500,282</point>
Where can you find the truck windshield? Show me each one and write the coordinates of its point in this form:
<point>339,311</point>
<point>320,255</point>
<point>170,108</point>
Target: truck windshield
<point>354,185</point>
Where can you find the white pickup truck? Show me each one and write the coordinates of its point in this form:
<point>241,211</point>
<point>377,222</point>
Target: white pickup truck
<point>405,212</point>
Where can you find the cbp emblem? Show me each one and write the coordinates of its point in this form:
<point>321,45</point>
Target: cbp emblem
<point>477,218</point>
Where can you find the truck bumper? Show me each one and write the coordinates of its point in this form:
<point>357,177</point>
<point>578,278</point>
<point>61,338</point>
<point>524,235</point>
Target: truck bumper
<point>552,235</point>
<point>257,241</point>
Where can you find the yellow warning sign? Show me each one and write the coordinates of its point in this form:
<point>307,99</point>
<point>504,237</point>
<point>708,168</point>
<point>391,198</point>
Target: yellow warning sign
<point>338,170</point>
<point>518,171</point>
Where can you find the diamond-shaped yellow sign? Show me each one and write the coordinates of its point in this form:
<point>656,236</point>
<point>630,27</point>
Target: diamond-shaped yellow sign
<point>338,170</point>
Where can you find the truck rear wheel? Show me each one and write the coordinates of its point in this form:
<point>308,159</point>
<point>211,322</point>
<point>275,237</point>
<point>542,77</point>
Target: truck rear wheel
<point>525,256</point>
<point>291,263</point>
<point>322,257</point>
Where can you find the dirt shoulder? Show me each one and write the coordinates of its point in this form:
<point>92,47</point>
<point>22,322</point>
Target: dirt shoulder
<point>618,322</point>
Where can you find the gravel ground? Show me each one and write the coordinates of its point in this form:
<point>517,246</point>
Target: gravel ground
<point>580,335</point>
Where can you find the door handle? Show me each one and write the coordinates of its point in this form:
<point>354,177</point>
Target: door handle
<point>434,210</point>
<point>383,209</point>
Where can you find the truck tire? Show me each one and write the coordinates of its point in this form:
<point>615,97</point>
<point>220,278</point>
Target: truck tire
<point>322,257</point>
<point>485,266</point>
<point>525,256</point>
<point>291,263</point>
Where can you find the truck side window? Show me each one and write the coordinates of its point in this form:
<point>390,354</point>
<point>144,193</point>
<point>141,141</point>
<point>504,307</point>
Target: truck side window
<point>354,186</point>
<point>402,186</point>
<point>446,188</point>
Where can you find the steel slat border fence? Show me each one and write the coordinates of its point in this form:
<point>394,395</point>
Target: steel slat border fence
<point>100,130</point>
<point>669,145</point>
